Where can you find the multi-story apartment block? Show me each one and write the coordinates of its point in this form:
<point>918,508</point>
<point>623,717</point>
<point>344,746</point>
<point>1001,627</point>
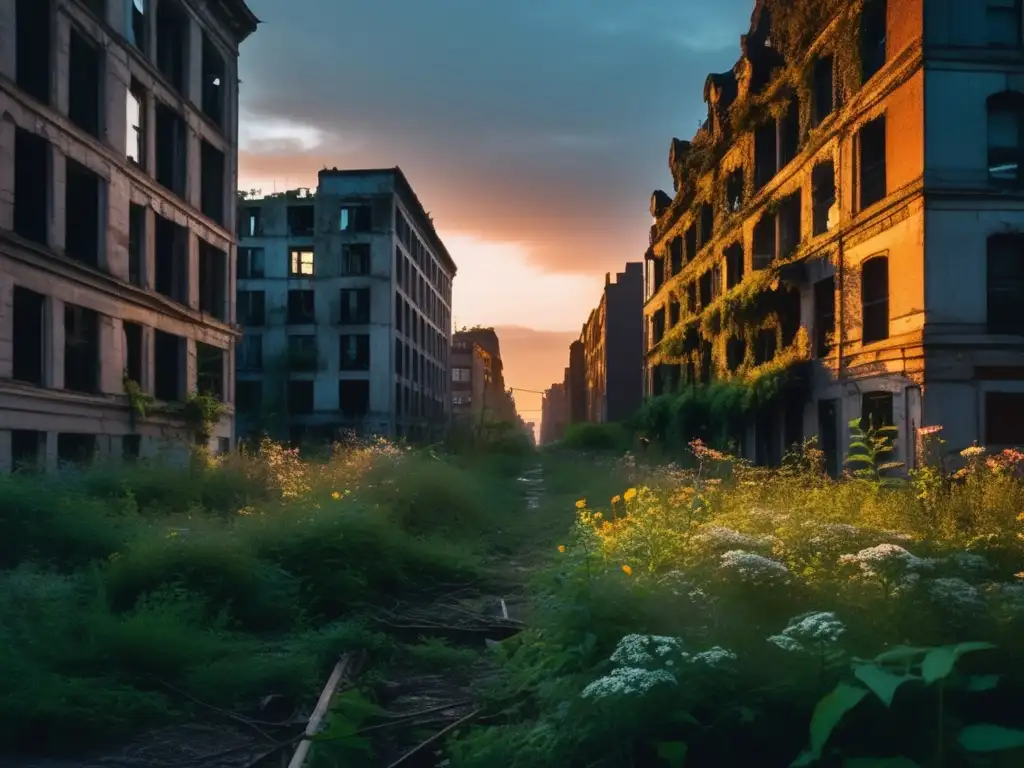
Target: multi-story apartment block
<point>118,154</point>
<point>493,403</point>
<point>613,348</point>
<point>575,384</point>
<point>853,204</point>
<point>553,415</point>
<point>345,299</point>
<point>472,379</point>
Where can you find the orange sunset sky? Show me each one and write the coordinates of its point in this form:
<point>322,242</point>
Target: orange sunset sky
<point>533,132</point>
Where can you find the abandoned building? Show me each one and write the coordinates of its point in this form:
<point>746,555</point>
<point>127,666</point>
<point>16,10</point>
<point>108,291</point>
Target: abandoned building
<point>478,378</point>
<point>553,414</point>
<point>344,296</point>
<point>841,228</point>
<point>118,153</point>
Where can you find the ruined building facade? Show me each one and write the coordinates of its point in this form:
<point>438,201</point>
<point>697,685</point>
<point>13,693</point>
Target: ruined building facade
<point>851,213</point>
<point>472,380</point>
<point>554,414</point>
<point>118,155</point>
<point>344,296</point>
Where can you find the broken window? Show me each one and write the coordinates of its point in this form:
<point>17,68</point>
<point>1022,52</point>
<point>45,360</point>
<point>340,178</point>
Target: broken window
<point>300,397</point>
<point>765,346</point>
<point>171,260</point>
<point>357,218</point>
<point>214,81</point>
<point>790,225</point>
<point>133,355</point>
<point>213,280</point>
<point>136,242</point>
<point>1005,137</point>
<point>691,298</point>
<point>303,354</point>
<point>82,205</point>
<point>355,259</point>
<point>1005,284</point>
<point>32,48</point>
<point>871,143</point>
<point>658,325</point>
<point>673,313</point>
<point>789,313</point>
<point>789,134</point>
<point>764,241</point>
<point>1004,418</point>
<point>250,263</point>
<point>28,447</point>
<point>31,186</point>
<point>823,195</point>
<point>822,90</point>
<point>716,281</point>
<point>171,149</point>
<point>1003,23</point>
<point>212,182</point>
<point>250,307</point>
<point>300,262</point>
<point>355,306</point>
<point>28,312</point>
<point>872,38</point>
<point>733,265</point>
<point>659,274</point>
<point>824,316</point>
<point>734,186</point>
<point>137,28</point>
<point>210,371</point>
<point>765,154</point>
<point>76,449</point>
<point>250,352</point>
<point>168,366</point>
<point>135,135</point>
<point>355,352</point>
<point>172,34</point>
<point>85,74</point>
<point>876,410</point>
<point>676,255</point>
<point>874,294</point>
<point>301,307</point>
<point>250,221</point>
<point>249,396</point>
<point>81,349</point>
<point>706,289</point>
<point>735,352</point>
<point>354,397</point>
<point>301,220</point>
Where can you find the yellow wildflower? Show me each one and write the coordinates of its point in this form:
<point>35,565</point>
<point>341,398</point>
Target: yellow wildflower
<point>630,494</point>
<point>616,499</point>
<point>561,548</point>
<point>581,504</point>
<point>335,495</point>
<point>627,570</point>
<point>597,515</point>
<point>1019,575</point>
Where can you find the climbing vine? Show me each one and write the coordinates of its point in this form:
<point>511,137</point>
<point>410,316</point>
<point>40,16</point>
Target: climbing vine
<point>201,413</point>
<point>139,401</point>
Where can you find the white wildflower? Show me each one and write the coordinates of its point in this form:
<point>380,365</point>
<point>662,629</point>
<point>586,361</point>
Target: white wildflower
<point>720,537</point>
<point>753,566</point>
<point>882,559</point>
<point>810,629</point>
<point>969,562</point>
<point>954,591</point>
<point>833,534</point>
<point>627,681</point>
<point>713,657</point>
<point>1011,596</point>
<point>786,643</point>
<point>638,650</point>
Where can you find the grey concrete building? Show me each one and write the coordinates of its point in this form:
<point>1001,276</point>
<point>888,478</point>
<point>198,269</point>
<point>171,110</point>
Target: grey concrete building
<point>118,154</point>
<point>344,295</point>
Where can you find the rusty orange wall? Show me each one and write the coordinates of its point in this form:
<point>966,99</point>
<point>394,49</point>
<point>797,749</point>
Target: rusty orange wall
<point>905,19</point>
<point>904,129</point>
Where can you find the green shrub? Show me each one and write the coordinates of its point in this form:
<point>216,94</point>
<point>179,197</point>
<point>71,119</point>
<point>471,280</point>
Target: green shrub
<point>596,437</point>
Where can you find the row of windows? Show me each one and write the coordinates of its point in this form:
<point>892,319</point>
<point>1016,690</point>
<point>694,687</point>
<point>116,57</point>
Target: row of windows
<point>352,308</point>
<point>423,259</point>
<point>300,220</point>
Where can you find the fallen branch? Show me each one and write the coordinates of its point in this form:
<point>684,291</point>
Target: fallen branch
<point>322,705</point>
<point>439,735</point>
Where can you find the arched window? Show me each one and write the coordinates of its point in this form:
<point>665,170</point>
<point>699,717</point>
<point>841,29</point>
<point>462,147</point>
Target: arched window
<point>874,299</point>
<point>1005,138</point>
<point>1004,279</point>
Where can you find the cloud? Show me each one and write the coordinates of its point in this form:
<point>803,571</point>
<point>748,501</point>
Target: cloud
<point>543,123</point>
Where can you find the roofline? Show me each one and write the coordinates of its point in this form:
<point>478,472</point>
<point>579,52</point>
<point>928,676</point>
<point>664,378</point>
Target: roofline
<point>405,190</point>
<point>239,16</point>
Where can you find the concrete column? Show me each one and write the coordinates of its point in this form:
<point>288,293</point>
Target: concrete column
<point>6,327</point>
<point>53,346</point>
<point>112,355</point>
<point>194,163</point>
<point>150,134</point>
<point>61,63</point>
<point>228,362</point>
<point>58,182</point>
<point>148,361</point>
<point>119,226</point>
<point>7,137</point>
<point>6,463</point>
<point>149,255</point>
<point>193,270</point>
<point>151,8</point>
<point>232,284</point>
<point>8,40</point>
<point>118,77</point>
<point>194,67</point>
<point>119,15</point>
<point>50,452</point>
<point>191,367</point>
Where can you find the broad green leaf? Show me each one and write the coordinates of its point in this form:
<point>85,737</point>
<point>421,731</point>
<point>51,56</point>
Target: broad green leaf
<point>829,711</point>
<point>804,759</point>
<point>673,753</point>
<point>986,737</point>
<point>978,683</point>
<point>879,762</point>
<point>939,662</point>
<point>900,653</point>
<point>882,683</point>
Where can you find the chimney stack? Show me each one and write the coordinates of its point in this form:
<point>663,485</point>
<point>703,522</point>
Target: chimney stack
<point>607,279</point>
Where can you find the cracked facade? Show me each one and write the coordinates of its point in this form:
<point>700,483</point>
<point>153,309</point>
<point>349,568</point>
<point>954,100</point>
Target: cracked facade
<point>118,155</point>
<point>850,215</point>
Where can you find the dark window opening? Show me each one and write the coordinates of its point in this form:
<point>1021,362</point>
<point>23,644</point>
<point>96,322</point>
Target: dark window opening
<point>823,195</point>
<point>874,293</point>
<point>716,281</point>
<point>29,321</point>
<point>138,29</point>
<point>250,353</point>
<point>765,154</point>
<point>658,325</point>
<point>822,90</point>
<point>136,243</point>
<point>31,186</point>
<point>81,349</point>
<point>171,149</point>
<point>734,187</point>
<point>251,307</point>
<point>212,181</point>
<point>355,352</point>
<point>76,449</point>
<point>250,221</point>
<point>249,396</point>
<point>1003,23</point>
<point>673,313</point>
<point>303,354</point>
<point>28,447</point>
<point>209,371</point>
<point>691,298</point>
<point>659,274</point>
<point>301,307</point>
<point>828,434</point>
<point>1004,418</point>
<point>354,306</point>
<point>250,263</point>
<point>824,316</point>
<point>706,288</point>
<point>876,410</point>
<point>172,33</point>
<point>300,397</point>
<point>213,281</point>
<point>789,134</point>
<point>171,260</point>
<point>33,46</point>
<point>871,141</point>
<point>214,82</point>
<point>131,447</point>
<point>300,262</point>
<point>133,351</point>
<point>355,259</point>
<point>691,242</point>
<point>705,362</point>
<point>789,312</point>
<point>358,218</point>
<point>734,265</point>
<point>765,346</point>
<point>1005,284</point>
<point>354,397</point>
<point>790,224</point>
<point>1005,138</point>
<point>735,352</point>
<point>676,255</point>
<point>301,221</point>
<point>872,38</point>
<point>399,352</point>
<point>85,219</point>
<point>707,224</point>
<point>85,75</point>
<point>764,242</point>
<point>98,8</point>
<point>168,367</point>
